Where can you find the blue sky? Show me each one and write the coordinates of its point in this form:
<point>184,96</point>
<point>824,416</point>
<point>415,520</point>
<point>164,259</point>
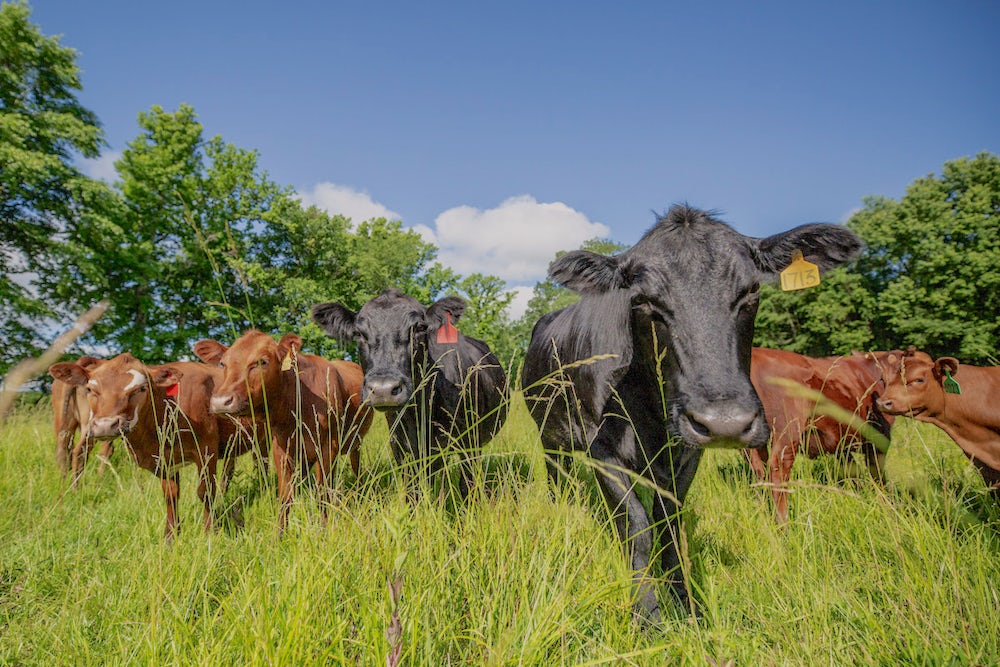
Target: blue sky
<point>505,131</point>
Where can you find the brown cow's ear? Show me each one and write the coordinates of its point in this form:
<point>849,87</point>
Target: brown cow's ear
<point>89,362</point>
<point>165,376</point>
<point>946,365</point>
<point>210,351</point>
<point>69,372</point>
<point>288,343</point>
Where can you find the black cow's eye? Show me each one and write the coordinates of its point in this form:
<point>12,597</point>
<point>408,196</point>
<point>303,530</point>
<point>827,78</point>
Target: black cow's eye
<point>142,389</point>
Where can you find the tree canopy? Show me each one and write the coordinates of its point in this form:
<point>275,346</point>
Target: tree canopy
<point>929,275</point>
<point>43,127</point>
<point>195,240</point>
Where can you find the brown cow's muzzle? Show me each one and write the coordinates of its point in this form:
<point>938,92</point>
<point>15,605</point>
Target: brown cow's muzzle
<point>890,407</point>
<point>108,428</point>
<point>228,404</point>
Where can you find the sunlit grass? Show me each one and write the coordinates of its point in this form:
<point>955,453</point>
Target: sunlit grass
<point>908,574</point>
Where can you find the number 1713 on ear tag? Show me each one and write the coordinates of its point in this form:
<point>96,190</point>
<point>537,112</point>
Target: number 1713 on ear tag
<point>800,274</point>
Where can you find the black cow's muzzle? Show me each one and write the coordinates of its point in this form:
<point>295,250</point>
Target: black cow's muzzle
<point>384,392</point>
<point>728,424</point>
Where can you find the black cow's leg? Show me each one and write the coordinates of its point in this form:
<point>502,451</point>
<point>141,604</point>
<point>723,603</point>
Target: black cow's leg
<point>673,472</point>
<point>631,519</point>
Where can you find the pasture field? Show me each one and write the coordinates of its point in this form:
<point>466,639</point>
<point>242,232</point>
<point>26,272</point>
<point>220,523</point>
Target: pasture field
<point>907,575</point>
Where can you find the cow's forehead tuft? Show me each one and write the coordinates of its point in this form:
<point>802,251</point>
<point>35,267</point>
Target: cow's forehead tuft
<point>382,311</point>
<point>251,345</point>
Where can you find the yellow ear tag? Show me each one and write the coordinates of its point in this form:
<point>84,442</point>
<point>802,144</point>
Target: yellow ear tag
<point>800,274</point>
<point>286,363</point>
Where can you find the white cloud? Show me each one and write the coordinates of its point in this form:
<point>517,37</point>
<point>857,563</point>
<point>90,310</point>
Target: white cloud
<point>343,200</point>
<point>515,241</point>
<point>519,305</point>
<point>102,167</point>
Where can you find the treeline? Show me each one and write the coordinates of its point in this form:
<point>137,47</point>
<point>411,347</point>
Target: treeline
<point>194,240</point>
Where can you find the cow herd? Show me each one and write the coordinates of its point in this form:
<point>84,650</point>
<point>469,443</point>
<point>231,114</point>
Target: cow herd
<point>653,364</point>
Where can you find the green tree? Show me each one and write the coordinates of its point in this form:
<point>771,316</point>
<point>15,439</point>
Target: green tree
<point>485,317</point>
<point>832,318</point>
<point>172,255</point>
<point>43,127</point>
<point>933,262</point>
<point>308,256</point>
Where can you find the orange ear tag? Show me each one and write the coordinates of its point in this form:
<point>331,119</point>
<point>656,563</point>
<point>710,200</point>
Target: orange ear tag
<point>447,334</point>
<point>800,274</point>
<point>286,363</point>
<point>174,390</point>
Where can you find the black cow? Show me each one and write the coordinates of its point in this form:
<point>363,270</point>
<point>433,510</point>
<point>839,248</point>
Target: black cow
<point>435,385</point>
<point>653,364</point>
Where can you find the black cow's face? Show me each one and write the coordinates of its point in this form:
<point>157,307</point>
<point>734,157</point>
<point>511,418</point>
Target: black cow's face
<point>391,332</point>
<point>692,283</point>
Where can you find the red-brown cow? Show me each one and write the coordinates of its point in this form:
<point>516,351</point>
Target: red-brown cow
<point>961,400</point>
<point>311,405</point>
<point>71,412</point>
<point>161,413</point>
<point>851,383</point>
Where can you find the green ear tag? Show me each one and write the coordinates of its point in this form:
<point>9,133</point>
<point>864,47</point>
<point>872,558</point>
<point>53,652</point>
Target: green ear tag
<point>951,385</point>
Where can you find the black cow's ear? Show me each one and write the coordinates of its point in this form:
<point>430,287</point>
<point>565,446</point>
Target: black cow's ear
<point>449,304</point>
<point>336,320</point>
<point>826,246</point>
<point>587,272</point>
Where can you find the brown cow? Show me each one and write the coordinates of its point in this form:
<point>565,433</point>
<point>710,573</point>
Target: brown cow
<point>961,400</point>
<point>851,383</point>
<point>161,413</point>
<point>311,405</point>
<point>71,412</point>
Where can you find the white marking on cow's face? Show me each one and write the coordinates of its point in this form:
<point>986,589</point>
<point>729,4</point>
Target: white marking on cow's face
<point>135,419</point>
<point>138,380</point>
<point>92,382</point>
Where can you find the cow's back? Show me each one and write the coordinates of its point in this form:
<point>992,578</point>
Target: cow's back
<point>470,391</point>
<point>573,361</point>
<point>851,383</point>
<point>787,409</point>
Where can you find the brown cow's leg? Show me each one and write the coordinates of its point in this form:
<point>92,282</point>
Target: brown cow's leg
<point>324,478</point>
<point>207,490</point>
<point>107,449</point>
<point>782,458</point>
<point>285,469</point>
<point>171,490</point>
<point>757,458</point>
<point>64,440</point>
<point>81,452</point>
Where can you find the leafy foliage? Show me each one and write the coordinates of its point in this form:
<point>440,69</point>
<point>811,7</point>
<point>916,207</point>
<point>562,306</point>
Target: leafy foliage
<point>929,277</point>
<point>933,261</point>
<point>42,194</point>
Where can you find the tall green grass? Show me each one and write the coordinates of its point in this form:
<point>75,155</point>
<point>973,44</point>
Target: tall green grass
<point>909,574</point>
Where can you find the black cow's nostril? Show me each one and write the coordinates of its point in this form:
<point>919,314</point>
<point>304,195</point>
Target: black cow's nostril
<point>697,426</point>
<point>397,389</point>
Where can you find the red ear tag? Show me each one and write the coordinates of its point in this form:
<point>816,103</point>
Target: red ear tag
<point>447,334</point>
<point>174,390</point>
